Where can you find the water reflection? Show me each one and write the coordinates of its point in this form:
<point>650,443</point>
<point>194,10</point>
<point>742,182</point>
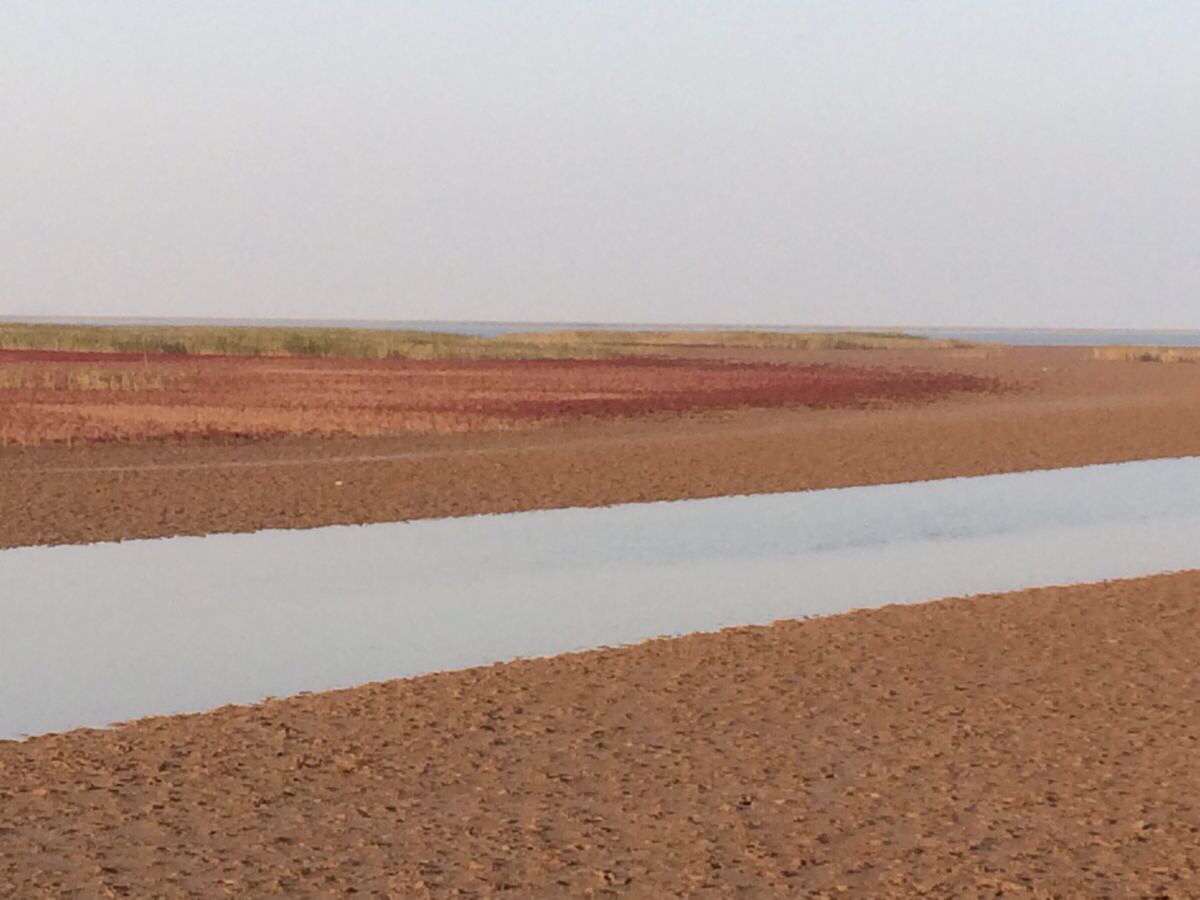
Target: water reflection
<point>94,634</point>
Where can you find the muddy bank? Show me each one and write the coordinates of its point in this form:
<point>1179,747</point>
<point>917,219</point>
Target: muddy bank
<point>1066,409</point>
<point>1032,744</point>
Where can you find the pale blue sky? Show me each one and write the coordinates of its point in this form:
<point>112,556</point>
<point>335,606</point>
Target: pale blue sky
<point>955,163</point>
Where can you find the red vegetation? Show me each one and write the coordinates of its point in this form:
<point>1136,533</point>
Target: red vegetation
<point>50,397</point>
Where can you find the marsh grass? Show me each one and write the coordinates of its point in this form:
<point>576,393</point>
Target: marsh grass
<point>133,379</point>
<point>351,343</point>
<point>770,340</point>
<point>1148,354</point>
<point>357,343</point>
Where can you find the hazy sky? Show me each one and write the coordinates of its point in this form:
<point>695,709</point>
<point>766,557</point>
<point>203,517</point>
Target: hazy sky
<point>1028,163</point>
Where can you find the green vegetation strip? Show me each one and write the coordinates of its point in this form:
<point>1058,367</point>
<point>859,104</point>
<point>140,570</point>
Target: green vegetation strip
<point>775,340</point>
<point>372,344</point>
<point>1148,354</point>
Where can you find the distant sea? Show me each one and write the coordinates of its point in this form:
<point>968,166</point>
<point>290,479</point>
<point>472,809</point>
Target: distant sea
<point>1033,337</point>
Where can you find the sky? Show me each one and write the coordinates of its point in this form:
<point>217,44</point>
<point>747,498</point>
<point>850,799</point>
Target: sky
<point>867,163</point>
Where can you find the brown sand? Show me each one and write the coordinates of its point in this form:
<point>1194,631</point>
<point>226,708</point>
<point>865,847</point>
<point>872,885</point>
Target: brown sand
<point>1042,743</point>
<point>1033,744</point>
<point>1068,409</point>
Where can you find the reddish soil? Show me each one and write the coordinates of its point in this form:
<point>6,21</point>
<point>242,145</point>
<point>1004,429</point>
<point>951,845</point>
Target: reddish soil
<point>1039,744</point>
<point>1066,409</point>
<point>51,397</point>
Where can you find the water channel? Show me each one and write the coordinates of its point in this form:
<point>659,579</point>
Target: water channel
<point>99,633</point>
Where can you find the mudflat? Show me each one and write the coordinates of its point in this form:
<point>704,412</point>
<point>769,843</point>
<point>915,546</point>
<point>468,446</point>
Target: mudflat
<point>1054,407</point>
<point>1040,743</point>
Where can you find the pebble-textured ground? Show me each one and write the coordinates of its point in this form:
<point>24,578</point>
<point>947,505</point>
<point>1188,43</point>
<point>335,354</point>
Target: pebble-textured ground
<point>1038,744</point>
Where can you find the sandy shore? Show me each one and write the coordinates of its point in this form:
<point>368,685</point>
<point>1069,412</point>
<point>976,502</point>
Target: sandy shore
<point>1033,744</point>
<point>1065,408</point>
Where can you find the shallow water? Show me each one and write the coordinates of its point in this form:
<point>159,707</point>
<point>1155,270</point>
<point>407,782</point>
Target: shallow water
<point>99,633</point>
